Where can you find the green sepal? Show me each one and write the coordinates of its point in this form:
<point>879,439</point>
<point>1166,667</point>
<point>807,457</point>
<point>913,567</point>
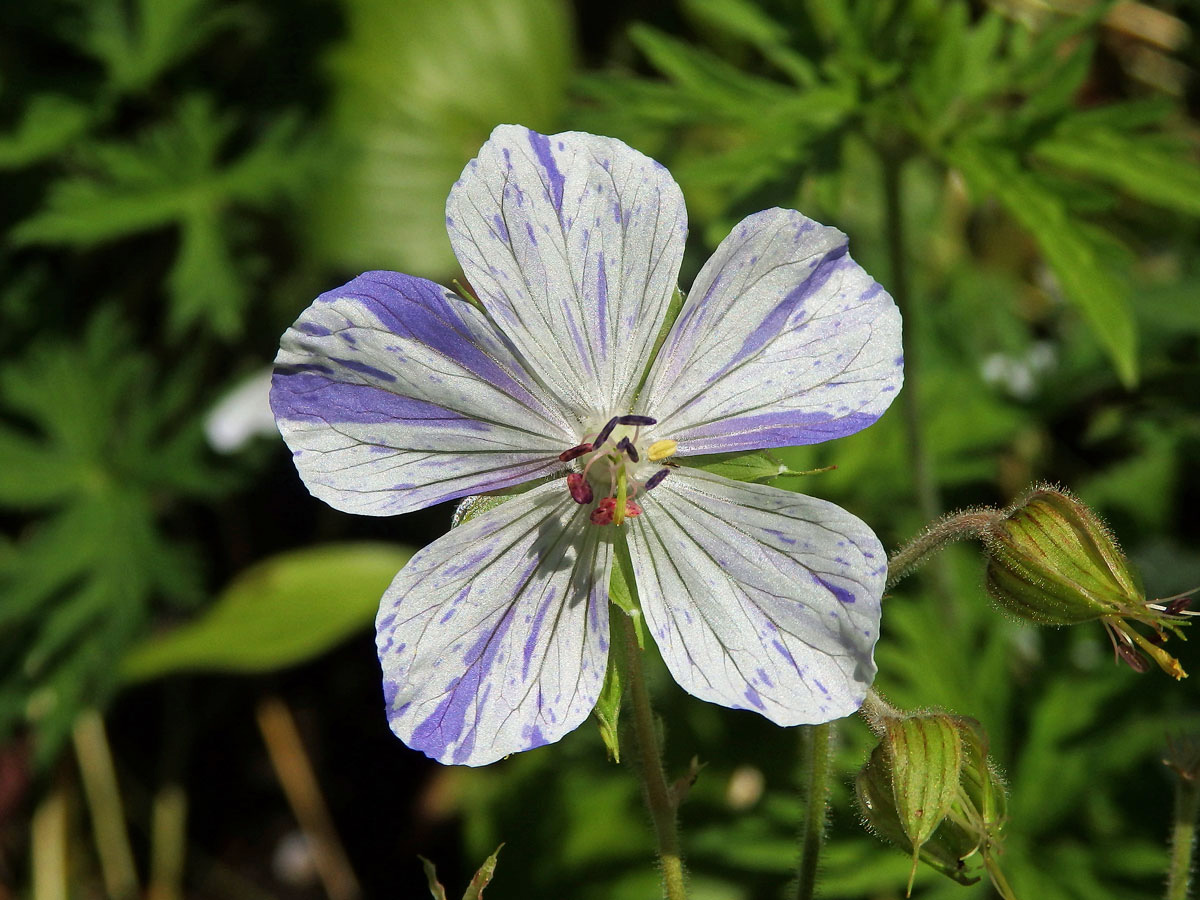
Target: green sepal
<point>608,707</point>
<point>470,507</point>
<point>672,313</point>
<point>1051,560</point>
<point>875,797</point>
<point>622,588</point>
<point>435,886</point>
<point>758,466</point>
<point>483,876</point>
<point>478,882</point>
<point>926,761</point>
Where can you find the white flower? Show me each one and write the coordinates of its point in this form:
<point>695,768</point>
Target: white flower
<point>395,394</point>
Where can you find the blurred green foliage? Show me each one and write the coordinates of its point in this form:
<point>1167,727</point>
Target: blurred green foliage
<point>181,177</point>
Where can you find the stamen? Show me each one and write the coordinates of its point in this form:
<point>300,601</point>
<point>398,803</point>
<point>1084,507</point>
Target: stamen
<point>574,452</point>
<point>636,420</point>
<point>605,432</point>
<point>661,450</point>
<point>657,478</point>
<point>626,446</point>
<point>603,513</point>
<point>579,487</point>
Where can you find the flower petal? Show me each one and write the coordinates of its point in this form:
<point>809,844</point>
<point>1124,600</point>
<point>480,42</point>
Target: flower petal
<point>494,638</point>
<point>573,243</point>
<point>393,395</point>
<point>784,340</point>
<point>759,598</point>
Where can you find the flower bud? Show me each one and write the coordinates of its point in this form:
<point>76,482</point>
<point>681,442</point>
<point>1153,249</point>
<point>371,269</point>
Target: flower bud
<point>929,788</point>
<point>1052,561</point>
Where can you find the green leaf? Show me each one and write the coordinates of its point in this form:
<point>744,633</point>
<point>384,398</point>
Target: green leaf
<point>175,174</point>
<point>415,95</point>
<point>1077,261</point>
<point>282,611</point>
<point>49,123</point>
<point>1157,172</point>
<point>139,41</point>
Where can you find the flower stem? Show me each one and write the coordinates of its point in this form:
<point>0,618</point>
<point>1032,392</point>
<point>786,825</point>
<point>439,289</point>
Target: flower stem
<point>968,523</point>
<point>815,768</point>
<point>649,754</point>
<point>1183,837</point>
<point>929,500</point>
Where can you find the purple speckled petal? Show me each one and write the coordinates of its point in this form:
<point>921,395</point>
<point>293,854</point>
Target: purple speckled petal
<point>784,340</point>
<point>393,395</point>
<point>494,638</point>
<point>573,244</point>
<point>759,598</point>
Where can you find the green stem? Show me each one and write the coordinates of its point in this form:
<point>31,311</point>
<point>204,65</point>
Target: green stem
<point>929,500</point>
<point>649,754</point>
<point>959,526</point>
<point>815,768</point>
<point>1183,837</point>
<point>103,796</point>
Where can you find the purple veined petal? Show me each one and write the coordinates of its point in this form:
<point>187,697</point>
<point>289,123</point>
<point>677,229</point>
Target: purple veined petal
<point>783,340</point>
<point>394,395</point>
<point>759,598</point>
<point>494,638</point>
<point>573,243</point>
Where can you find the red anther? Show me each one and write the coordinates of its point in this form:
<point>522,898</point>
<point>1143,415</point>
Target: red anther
<point>575,452</point>
<point>581,490</point>
<point>603,513</point>
<point>631,509</point>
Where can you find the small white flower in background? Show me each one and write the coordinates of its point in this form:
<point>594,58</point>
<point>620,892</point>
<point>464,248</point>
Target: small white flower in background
<point>395,394</point>
<point>241,415</point>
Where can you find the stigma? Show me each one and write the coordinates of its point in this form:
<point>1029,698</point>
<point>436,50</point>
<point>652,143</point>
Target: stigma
<point>615,463</point>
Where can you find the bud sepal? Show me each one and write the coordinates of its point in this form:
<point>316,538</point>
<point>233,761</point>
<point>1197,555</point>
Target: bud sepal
<point>1052,561</point>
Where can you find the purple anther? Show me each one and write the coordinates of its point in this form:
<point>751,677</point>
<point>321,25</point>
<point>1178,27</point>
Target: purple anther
<point>626,446</point>
<point>580,489</point>
<point>657,478</point>
<point>636,420</point>
<point>574,452</point>
<point>605,432</point>
<point>1178,605</point>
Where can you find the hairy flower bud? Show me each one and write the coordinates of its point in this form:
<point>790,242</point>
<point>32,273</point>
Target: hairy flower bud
<point>1052,561</point>
<point>929,788</point>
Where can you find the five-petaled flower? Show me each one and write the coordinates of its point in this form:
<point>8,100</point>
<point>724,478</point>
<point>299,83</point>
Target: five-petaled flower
<point>394,394</point>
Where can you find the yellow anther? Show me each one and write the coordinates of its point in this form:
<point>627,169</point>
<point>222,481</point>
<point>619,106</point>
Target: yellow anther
<point>661,450</point>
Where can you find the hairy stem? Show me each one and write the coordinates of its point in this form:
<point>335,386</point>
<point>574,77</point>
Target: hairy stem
<point>969,523</point>
<point>1183,837</point>
<point>649,755</point>
<point>815,767</point>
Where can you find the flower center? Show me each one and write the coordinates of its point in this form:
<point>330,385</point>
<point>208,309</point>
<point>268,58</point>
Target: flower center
<point>614,463</point>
